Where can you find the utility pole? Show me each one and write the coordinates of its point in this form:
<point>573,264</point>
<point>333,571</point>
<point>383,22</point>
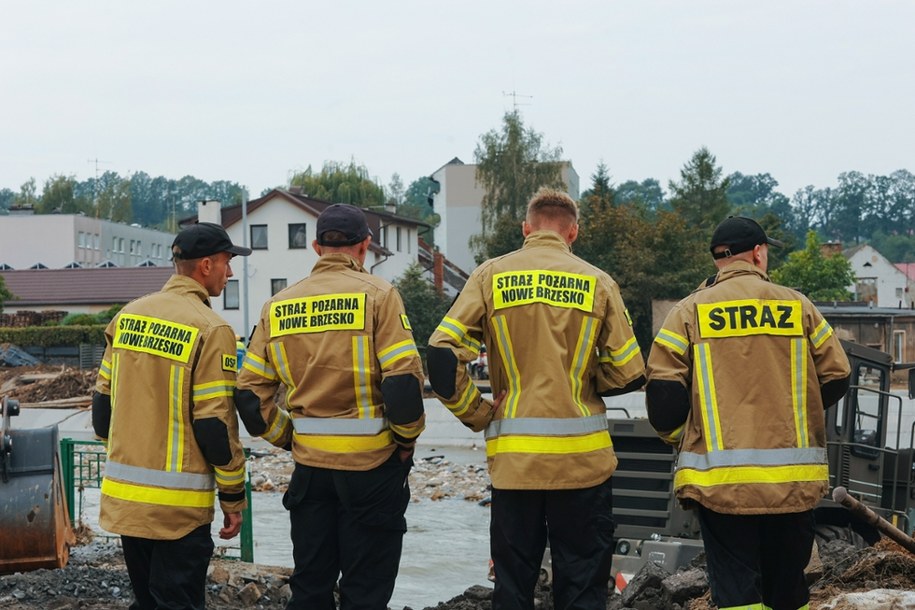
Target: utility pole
<point>95,184</point>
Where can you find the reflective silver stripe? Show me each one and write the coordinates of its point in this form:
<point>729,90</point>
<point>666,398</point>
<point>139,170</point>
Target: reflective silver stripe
<point>349,427</point>
<point>799,389</point>
<point>751,457</point>
<point>159,478</point>
<point>821,333</point>
<point>547,426</point>
<point>707,398</point>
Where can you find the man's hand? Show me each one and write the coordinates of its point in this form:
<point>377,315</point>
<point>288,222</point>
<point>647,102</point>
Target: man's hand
<point>231,525</point>
<point>404,454</point>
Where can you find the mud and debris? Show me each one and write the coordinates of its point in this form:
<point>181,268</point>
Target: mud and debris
<point>63,385</point>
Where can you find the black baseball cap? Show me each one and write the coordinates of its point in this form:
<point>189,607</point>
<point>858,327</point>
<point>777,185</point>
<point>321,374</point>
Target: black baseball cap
<point>346,219</point>
<point>739,234</point>
<point>204,239</point>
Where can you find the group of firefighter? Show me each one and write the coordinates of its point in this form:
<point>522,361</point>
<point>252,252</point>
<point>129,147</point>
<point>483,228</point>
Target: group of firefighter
<point>737,380</point>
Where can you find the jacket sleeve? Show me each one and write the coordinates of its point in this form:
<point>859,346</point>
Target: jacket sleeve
<point>832,368</point>
<point>401,370</point>
<point>620,362</point>
<point>455,342</point>
<point>667,392</point>
<point>101,398</point>
<point>256,390</point>
<point>215,423</point>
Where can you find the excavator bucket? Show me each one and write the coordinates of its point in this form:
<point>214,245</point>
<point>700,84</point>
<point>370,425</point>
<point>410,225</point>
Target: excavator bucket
<point>35,530</point>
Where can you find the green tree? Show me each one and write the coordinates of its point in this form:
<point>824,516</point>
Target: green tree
<point>340,183</point>
<point>651,255</point>
<point>647,194</point>
<point>395,191</point>
<point>820,277</point>
<point>7,199</point>
<point>512,163</point>
<point>424,305</point>
<point>59,196</point>
<point>114,202</point>
<point>417,203</point>
<point>601,194</point>
<point>5,294</point>
<point>700,197</point>
<point>27,194</point>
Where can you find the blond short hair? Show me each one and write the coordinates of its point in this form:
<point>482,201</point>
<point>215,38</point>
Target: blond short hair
<point>552,206</point>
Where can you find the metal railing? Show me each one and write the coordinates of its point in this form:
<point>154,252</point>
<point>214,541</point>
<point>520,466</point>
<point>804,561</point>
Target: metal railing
<point>83,467</point>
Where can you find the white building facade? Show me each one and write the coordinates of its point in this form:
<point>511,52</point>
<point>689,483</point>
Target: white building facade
<point>877,281</point>
<point>459,203</point>
<point>279,228</point>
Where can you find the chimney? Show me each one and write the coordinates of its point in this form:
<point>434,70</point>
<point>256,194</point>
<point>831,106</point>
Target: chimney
<point>831,248</point>
<point>438,271</point>
<point>209,210</point>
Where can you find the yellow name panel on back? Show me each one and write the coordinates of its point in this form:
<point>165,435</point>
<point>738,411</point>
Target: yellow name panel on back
<point>555,288</point>
<point>155,336</point>
<point>318,314</point>
<point>750,317</point>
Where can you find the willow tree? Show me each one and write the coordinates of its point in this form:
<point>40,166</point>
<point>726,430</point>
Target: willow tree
<point>512,163</point>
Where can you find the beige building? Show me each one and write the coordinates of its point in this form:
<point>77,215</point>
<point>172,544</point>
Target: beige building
<point>459,202</point>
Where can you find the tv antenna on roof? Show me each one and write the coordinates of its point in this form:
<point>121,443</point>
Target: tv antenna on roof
<point>515,95</point>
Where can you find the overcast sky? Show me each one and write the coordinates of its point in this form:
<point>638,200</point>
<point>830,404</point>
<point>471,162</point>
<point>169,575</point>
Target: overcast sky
<point>252,91</point>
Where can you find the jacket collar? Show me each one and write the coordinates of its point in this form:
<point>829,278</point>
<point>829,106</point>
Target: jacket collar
<point>337,261</point>
<point>738,268</point>
<point>550,239</point>
<point>181,284</point>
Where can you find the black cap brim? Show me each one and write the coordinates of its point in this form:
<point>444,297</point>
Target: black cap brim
<point>239,251</point>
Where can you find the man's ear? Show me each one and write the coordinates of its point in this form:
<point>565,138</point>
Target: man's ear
<point>572,234</point>
<point>316,247</point>
<point>526,228</point>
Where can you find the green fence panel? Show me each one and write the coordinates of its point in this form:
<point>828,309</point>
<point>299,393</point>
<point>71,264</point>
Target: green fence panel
<point>83,467</point>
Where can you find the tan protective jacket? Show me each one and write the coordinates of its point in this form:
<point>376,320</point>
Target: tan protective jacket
<point>170,361</point>
<point>753,355</point>
<point>557,335</point>
<point>331,339</point>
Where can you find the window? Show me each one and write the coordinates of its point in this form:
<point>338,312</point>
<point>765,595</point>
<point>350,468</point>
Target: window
<point>409,243</point>
<point>95,242</point>
<point>899,345</point>
<point>898,292</point>
<point>258,237</point>
<point>298,236</point>
<point>82,239</point>
<point>230,298</point>
<point>277,284</point>
<point>398,239</point>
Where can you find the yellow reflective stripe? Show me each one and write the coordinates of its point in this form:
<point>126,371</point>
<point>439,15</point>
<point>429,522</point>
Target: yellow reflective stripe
<point>407,432</point>
<point>282,363</point>
<point>230,477</point>
<point>742,475</point>
<point>750,607</point>
<point>174,449</point>
<point>799,390</point>
<point>344,444</point>
<point>674,435</point>
<point>104,369</point>
<point>624,354</point>
<point>390,355</point>
<point>157,495</point>
<point>362,376</point>
<point>583,349</point>
<point>507,354</point>
<point>469,397</point>
<point>213,389</point>
<point>459,333</point>
<point>708,399</point>
<point>548,444</point>
<point>258,365</point>
<point>672,340</point>
<point>278,426</point>
<point>115,361</point>
<point>822,332</point>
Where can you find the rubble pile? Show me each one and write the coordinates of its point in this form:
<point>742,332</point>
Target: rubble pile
<point>96,579</point>
<point>58,386</point>
<point>433,477</point>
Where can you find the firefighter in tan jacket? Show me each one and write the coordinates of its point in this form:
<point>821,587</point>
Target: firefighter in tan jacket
<point>558,338</point>
<point>164,404</point>
<point>340,343</point>
<point>738,379</point>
